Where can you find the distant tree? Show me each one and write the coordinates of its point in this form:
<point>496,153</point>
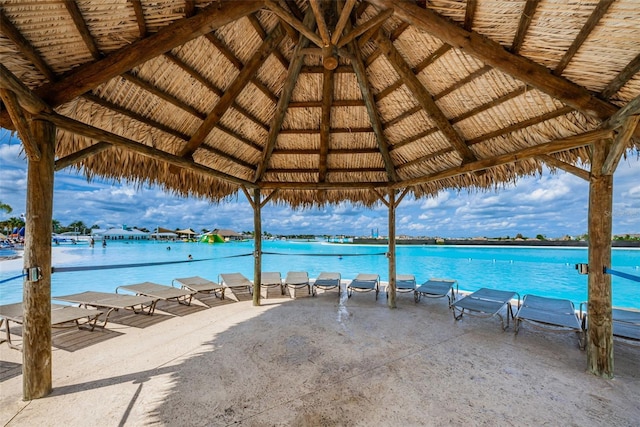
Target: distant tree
<point>541,237</point>
<point>95,227</point>
<point>78,226</point>
<point>4,207</point>
<point>56,225</point>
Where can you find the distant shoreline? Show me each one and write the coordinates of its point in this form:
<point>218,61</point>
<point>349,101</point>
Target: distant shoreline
<point>470,242</point>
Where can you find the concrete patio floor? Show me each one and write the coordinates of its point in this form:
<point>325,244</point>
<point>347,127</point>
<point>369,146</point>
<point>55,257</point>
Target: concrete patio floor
<point>320,362</point>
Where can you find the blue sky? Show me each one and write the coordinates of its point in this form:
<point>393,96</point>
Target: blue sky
<point>552,205</point>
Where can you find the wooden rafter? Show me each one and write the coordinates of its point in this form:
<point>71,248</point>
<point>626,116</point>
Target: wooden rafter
<point>631,69</point>
<point>21,122</point>
<point>315,171</point>
<point>345,13</point>
<point>323,185</point>
<point>135,116</point>
<point>523,26</point>
<point>263,34</point>
<point>424,98</point>
<point>80,155</point>
<point>142,24</point>
<point>239,65</point>
<point>331,152</point>
<point>416,70</point>
<point>374,22</point>
<point>620,117</point>
<point>325,124</point>
<point>469,14</point>
<point>225,102</point>
<point>564,144</point>
<point>23,45</point>
<point>205,82</point>
<point>619,145</point>
<point>372,111</point>
<point>189,8</point>
<point>90,76</point>
<point>27,99</point>
<point>559,164</point>
<point>588,27</point>
<point>478,73</point>
<point>493,54</point>
<point>336,103</point>
<point>163,95</point>
<point>285,97</point>
<point>376,53</point>
<point>320,22</point>
<point>316,131</point>
<point>88,131</point>
<point>521,125</point>
<point>81,26</point>
<point>294,22</point>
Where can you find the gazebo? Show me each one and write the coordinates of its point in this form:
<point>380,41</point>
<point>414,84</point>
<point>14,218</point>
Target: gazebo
<point>316,102</point>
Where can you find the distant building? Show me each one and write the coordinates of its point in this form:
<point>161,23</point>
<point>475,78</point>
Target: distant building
<point>227,234</point>
<point>119,234</point>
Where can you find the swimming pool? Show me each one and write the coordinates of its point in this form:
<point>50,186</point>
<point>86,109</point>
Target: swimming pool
<point>544,271</point>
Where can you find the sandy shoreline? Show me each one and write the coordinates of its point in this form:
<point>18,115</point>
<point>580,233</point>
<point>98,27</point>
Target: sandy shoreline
<point>16,263</point>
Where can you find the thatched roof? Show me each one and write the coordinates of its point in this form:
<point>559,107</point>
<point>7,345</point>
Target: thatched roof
<point>207,98</point>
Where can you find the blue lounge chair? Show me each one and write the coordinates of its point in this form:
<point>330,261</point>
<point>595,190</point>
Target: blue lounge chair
<point>486,303</point>
<point>437,288</point>
<point>364,283</point>
<point>325,281</point>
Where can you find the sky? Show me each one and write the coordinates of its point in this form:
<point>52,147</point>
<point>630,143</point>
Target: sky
<point>553,205</point>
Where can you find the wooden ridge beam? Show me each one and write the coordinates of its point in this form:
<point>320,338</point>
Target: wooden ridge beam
<point>372,110</point>
<point>92,132</point>
<point>315,171</point>
<point>424,97</point>
<point>81,26</point>
<point>563,144</point>
<point>336,103</point>
<point>91,75</point>
<point>493,54</point>
<point>320,22</point>
<point>80,155</point>
<point>523,26</point>
<point>559,164</point>
<point>285,97</point>
<point>26,48</point>
<point>332,130</point>
<point>597,14</point>
<point>225,102</point>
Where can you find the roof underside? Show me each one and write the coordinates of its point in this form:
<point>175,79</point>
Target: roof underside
<point>325,100</point>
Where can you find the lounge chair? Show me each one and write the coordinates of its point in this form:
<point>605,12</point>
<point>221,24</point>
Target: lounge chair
<point>235,280</point>
<point>271,279</point>
<point>404,283</point>
<point>625,323</point>
<point>111,302</point>
<point>437,288</point>
<point>160,292</point>
<point>364,283</point>
<point>61,316</point>
<point>297,280</point>
<point>199,284</point>
<point>486,303</point>
<point>552,314</point>
<point>325,281</point>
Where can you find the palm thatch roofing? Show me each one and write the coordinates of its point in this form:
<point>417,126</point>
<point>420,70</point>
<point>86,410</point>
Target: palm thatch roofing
<point>316,102</point>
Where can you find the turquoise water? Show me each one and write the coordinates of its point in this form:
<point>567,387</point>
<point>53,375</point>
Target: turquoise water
<point>540,271</point>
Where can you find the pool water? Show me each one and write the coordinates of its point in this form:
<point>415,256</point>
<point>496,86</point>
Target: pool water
<point>544,271</point>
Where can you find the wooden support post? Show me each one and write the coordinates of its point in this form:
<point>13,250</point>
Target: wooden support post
<point>36,328</point>
<point>600,333</point>
<point>391,291</point>
<point>257,255</point>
